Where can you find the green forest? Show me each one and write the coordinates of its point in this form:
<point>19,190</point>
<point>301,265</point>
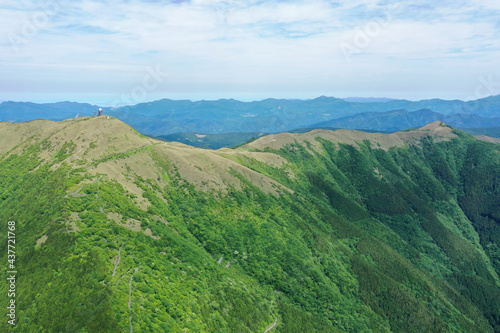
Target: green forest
<point>365,239</point>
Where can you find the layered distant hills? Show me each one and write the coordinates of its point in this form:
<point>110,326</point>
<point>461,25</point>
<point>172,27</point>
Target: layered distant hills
<point>323,231</point>
<point>166,116</point>
<point>402,119</point>
<point>25,111</point>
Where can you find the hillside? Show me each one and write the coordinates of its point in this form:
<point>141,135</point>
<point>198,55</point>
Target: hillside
<point>324,231</point>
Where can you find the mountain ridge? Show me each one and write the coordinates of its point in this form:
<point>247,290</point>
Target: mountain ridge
<point>437,129</point>
<point>101,138</point>
<point>314,232</point>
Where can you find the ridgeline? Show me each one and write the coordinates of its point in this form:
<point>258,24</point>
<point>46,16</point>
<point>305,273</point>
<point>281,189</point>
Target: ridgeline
<point>325,231</point>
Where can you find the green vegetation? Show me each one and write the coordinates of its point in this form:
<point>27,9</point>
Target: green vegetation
<point>368,240</point>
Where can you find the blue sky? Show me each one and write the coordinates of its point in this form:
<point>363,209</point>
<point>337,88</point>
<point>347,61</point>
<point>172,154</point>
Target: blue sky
<point>129,51</point>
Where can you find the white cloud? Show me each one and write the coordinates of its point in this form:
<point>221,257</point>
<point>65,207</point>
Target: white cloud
<point>487,4</point>
<point>267,46</point>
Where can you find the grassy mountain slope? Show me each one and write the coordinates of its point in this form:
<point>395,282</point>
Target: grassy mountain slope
<point>316,232</point>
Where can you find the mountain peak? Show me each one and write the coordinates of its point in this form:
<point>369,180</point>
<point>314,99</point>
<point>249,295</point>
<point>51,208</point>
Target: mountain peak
<point>438,130</point>
<point>437,127</point>
<point>108,146</point>
<point>94,136</point>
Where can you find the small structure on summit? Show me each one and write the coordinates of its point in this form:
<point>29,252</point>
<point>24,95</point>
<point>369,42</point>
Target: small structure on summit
<point>98,113</point>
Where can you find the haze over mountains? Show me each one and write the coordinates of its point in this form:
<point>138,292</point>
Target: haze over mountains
<point>401,119</point>
<point>164,117</point>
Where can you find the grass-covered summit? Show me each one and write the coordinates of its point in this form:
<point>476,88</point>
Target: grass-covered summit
<point>318,232</point>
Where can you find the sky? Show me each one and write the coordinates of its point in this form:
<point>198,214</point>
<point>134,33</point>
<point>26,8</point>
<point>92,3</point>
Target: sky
<point>123,52</point>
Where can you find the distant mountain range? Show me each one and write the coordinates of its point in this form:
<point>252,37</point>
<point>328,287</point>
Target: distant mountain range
<point>368,99</point>
<point>25,111</point>
<point>212,141</point>
<point>402,119</point>
<point>489,131</point>
<point>164,117</point>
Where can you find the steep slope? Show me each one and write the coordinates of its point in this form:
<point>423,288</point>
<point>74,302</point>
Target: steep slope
<point>315,232</point>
